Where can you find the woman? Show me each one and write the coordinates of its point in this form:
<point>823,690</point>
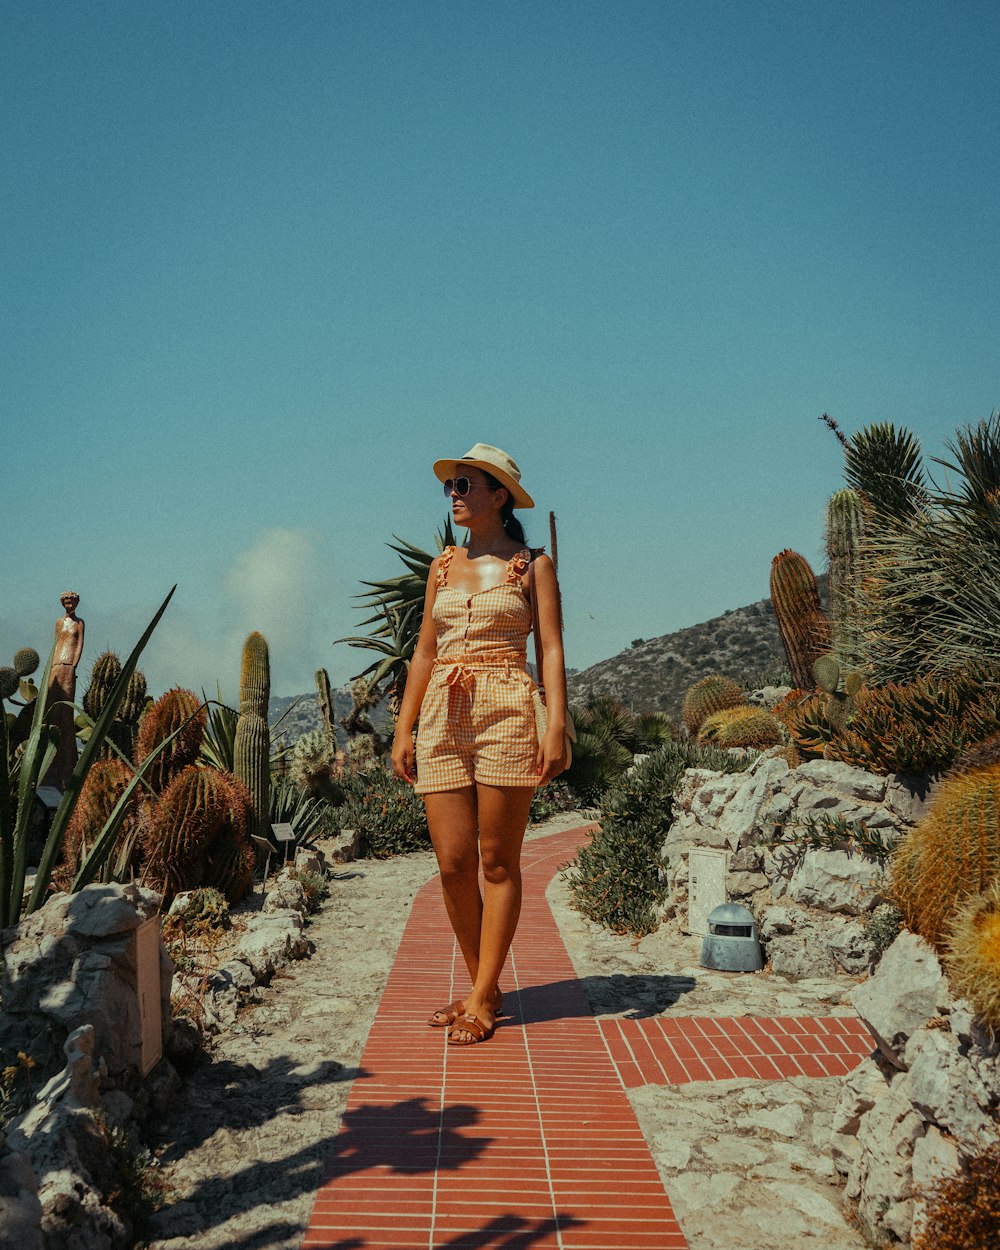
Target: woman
<point>478,752</point>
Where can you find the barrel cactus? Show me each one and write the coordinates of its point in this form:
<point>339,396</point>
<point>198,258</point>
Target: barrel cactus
<point>26,661</point>
<point>745,726</point>
<point>711,694</point>
<point>953,854</point>
<point>972,954</point>
<point>106,782</point>
<point>252,748</point>
<point>802,623</point>
<point>176,708</point>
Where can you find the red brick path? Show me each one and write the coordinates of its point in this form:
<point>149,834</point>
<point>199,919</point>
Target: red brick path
<point>528,1141</point>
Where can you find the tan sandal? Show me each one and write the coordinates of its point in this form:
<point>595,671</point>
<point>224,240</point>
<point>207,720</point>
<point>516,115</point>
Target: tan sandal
<point>445,1017</point>
<point>479,1031</point>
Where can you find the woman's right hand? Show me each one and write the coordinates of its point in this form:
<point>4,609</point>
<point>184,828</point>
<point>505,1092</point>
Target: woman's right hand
<point>402,757</point>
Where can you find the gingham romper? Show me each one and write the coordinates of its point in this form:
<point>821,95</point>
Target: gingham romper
<point>477,718</point>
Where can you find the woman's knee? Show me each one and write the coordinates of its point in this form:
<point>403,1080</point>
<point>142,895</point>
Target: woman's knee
<point>458,865</point>
<point>498,869</point>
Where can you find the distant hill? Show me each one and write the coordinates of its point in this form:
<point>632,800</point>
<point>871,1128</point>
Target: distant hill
<point>654,675</point>
<point>304,716</point>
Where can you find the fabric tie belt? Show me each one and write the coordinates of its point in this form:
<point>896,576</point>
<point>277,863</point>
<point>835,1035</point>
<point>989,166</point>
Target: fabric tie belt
<point>462,668</point>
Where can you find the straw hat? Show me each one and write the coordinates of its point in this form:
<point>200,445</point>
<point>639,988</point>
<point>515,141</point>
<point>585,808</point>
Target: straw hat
<point>493,461</point>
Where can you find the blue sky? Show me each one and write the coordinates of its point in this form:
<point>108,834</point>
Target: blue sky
<point>262,263</point>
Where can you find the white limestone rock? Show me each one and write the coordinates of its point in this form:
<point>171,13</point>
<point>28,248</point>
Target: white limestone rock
<point>907,989</point>
<point>946,1090</point>
<point>271,940</point>
<point>860,1091</point>
<point>880,1178</point>
<point>836,881</point>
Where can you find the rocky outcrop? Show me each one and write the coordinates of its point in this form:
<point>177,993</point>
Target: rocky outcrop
<point>812,905</point>
<point>930,1093</point>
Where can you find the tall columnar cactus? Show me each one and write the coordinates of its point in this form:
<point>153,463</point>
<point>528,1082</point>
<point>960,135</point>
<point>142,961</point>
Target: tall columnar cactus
<point>325,700</point>
<point>953,854</point>
<point>802,623</point>
<point>845,525</point>
<point>176,708</point>
<point>252,747</point>
<point>106,671</point>
<point>711,694</point>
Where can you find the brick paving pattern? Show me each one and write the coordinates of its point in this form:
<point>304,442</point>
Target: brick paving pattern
<point>528,1141</point>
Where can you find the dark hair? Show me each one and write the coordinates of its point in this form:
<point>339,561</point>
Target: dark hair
<point>512,526</point>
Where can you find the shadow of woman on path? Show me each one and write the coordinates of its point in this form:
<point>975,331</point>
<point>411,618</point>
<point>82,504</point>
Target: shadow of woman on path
<point>637,997</point>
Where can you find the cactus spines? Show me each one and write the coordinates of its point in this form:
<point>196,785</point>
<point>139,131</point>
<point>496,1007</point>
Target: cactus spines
<point>854,683</point>
<point>972,954</point>
<point>106,782</point>
<point>252,746</point>
<point>9,682</point>
<point>802,623</point>
<point>106,671</point>
<point>194,810</point>
<point>26,661</point>
<point>826,670</point>
<point>845,527</point>
<point>745,726</point>
<point>325,699</point>
<point>168,713</point>
<point>134,703</point>
<point>951,855</point>
<point>711,694</point>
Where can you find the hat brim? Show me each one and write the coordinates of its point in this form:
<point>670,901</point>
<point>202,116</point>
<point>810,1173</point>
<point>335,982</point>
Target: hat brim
<point>444,469</point>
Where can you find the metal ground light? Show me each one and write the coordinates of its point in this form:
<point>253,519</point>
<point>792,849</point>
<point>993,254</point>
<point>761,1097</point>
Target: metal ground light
<point>731,943</point>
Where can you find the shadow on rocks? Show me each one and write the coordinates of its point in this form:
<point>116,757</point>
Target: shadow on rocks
<point>636,997</point>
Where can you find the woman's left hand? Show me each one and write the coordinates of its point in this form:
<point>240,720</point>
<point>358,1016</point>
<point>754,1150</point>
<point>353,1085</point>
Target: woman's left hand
<point>551,758</point>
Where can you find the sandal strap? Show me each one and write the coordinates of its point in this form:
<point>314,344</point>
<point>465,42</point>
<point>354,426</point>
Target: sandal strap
<point>468,1024</point>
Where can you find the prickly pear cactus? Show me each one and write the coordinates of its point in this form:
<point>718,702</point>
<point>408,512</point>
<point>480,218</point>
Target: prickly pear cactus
<point>802,623</point>
<point>252,747</point>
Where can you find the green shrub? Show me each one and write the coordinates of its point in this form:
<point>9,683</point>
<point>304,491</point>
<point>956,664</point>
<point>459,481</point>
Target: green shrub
<point>389,817</point>
<point>549,800</point>
<point>616,879</point>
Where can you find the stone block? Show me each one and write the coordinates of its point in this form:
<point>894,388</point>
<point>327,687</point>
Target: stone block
<point>860,1091</point>
<point>837,881</point>
<point>272,940</point>
<point>843,779</point>
<point>904,993</point>
<point>947,1091</point>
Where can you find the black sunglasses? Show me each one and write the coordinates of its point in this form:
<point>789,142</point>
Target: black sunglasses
<point>460,485</point>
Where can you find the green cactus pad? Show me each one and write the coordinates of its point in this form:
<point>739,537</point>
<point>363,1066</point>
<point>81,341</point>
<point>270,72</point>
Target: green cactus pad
<point>826,671</point>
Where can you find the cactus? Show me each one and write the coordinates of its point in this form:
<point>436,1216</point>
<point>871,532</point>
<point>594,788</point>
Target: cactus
<point>26,661</point>
<point>711,694</point>
<point>972,954</point>
<point>106,782</point>
<point>134,703</point>
<point>229,866</point>
<point>8,682</point>
<point>325,700</point>
<point>802,623</point>
<point>979,755</point>
<point>252,748</point>
<point>845,523</point>
<point>740,727</point>
<point>106,671</point>
<point>190,815</point>
<point>951,855</point>
<point>168,713</point>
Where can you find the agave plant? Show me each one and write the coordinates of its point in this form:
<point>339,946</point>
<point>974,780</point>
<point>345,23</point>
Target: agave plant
<point>16,808</point>
<point>398,604</point>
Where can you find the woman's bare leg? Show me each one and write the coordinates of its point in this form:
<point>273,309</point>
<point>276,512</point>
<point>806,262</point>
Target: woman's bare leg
<point>503,818</point>
<point>451,819</point>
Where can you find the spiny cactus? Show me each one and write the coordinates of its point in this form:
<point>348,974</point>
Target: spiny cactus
<point>979,755</point>
<point>802,623</point>
<point>190,814</point>
<point>324,697</point>
<point>951,855</point>
<point>8,682</point>
<point>252,748</point>
<point>26,661</point>
<point>168,713</point>
<point>711,694</point>
<point>106,782</point>
<point>230,864</point>
<point>106,671</point>
<point>316,767</point>
<point>740,727</point>
<point>134,703</point>
<point>845,526</point>
<point>972,954</point>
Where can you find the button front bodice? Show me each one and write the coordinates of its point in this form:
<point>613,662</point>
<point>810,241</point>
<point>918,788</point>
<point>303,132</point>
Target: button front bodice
<point>491,624</point>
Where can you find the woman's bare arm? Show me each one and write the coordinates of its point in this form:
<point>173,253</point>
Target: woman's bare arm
<point>551,759</point>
